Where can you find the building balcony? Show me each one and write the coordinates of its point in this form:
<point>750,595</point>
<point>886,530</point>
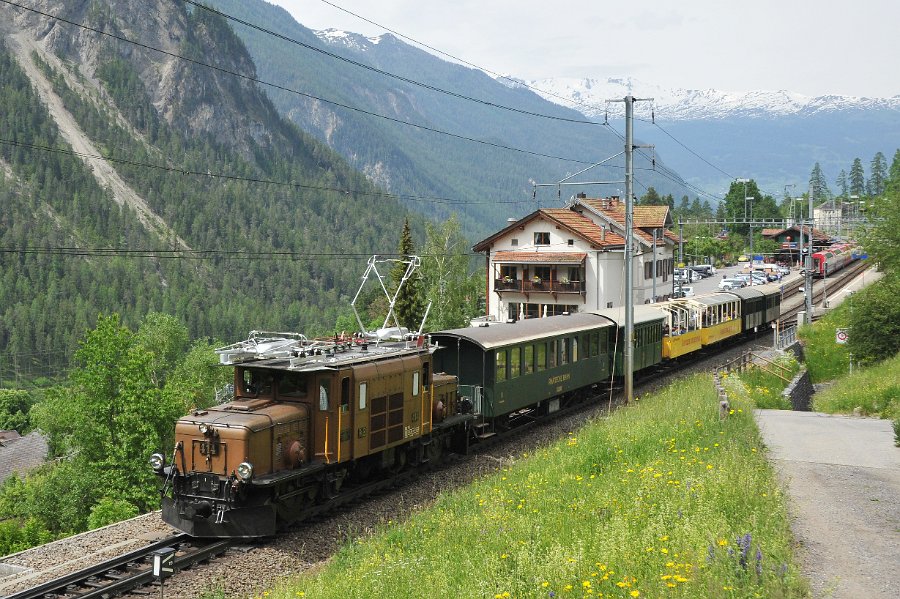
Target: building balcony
<point>538,286</point>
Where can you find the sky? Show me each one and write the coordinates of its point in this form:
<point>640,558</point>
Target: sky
<point>810,47</point>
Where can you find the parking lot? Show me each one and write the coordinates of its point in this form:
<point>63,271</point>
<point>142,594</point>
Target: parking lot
<point>711,284</point>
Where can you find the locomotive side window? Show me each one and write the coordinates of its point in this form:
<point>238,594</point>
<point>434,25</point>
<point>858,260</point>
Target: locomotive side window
<point>415,383</point>
<point>323,395</point>
<point>345,394</point>
<point>363,395</point>
<point>292,384</point>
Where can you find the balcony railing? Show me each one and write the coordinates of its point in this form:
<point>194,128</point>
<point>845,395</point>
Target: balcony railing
<point>533,286</point>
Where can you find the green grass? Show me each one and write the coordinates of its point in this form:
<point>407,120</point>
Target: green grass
<point>875,390</point>
<point>656,500</point>
<point>826,359</point>
<point>762,385</point>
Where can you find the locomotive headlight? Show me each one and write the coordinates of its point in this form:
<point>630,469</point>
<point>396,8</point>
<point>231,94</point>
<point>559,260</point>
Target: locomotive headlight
<point>204,428</point>
<point>157,461</point>
<point>245,471</point>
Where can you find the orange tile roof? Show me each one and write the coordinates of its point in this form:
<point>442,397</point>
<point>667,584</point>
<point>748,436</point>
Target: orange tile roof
<point>645,217</point>
<point>564,217</point>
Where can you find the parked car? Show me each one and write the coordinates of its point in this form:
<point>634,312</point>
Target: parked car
<point>684,291</point>
<point>706,270</point>
<point>733,283</point>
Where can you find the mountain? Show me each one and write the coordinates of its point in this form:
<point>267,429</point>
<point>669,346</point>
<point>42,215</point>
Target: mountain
<point>485,184</point>
<point>774,137</point>
<point>134,179</point>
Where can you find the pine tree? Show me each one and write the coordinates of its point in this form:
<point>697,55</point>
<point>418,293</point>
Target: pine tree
<point>409,307</point>
<point>841,183</point>
<point>878,170</point>
<point>817,185</point>
<point>857,179</point>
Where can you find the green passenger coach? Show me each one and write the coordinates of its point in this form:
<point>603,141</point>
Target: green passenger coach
<point>538,363</point>
<point>648,334</point>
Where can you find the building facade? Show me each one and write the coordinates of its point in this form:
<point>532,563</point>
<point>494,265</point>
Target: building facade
<point>558,260</point>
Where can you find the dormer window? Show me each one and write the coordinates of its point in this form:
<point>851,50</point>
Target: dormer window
<point>542,238</point>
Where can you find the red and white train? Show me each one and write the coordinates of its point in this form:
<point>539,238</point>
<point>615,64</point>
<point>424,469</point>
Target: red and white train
<point>833,258</point>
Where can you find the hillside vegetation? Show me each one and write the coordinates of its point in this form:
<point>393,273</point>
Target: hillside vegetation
<point>242,253</point>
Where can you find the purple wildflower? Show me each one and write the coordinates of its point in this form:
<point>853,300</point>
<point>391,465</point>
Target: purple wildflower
<point>758,561</point>
<point>711,553</point>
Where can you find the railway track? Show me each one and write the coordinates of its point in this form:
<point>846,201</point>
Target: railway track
<point>126,572</point>
<point>794,303</point>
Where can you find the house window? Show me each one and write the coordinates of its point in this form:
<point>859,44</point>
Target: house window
<point>571,242</point>
<point>514,241</point>
<point>542,238</point>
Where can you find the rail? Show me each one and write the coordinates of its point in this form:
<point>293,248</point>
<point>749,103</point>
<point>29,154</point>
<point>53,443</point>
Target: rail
<point>121,574</point>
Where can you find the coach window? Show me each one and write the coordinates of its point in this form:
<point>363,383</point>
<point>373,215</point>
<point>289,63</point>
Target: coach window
<point>528,359</point>
<point>501,365</point>
<point>363,395</point>
<point>515,360</point>
<point>575,349</point>
<point>541,356</point>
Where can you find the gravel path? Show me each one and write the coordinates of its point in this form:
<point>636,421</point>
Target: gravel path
<point>842,475</point>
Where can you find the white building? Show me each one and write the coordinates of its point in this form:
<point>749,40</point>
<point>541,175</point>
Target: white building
<point>571,259</point>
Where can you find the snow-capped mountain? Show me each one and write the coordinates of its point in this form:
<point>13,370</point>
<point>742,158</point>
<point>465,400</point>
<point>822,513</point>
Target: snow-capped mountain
<point>354,41</point>
<point>589,96</point>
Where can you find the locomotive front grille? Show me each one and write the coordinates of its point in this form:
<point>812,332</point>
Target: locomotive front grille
<point>203,483</point>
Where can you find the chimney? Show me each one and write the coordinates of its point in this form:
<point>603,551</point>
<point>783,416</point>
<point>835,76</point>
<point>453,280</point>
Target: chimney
<point>603,234</point>
<point>511,220</point>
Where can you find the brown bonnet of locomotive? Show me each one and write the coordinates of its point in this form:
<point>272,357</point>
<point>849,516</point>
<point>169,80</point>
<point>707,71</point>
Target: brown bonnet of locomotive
<point>307,417</point>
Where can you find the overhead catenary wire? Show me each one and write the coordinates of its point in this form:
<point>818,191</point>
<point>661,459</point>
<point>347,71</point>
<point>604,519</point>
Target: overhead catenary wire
<point>675,177</point>
<point>387,73</point>
<point>291,90</point>
<point>213,175</point>
<point>671,175</point>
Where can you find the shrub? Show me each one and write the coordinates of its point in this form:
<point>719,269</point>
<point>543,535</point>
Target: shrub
<point>110,511</point>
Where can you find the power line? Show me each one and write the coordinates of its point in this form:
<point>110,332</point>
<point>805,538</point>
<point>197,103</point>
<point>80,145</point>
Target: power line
<point>387,73</point>
<point>293,91</point>
<point>295,256</point>
<point>461,60</point>
<point>212,175</point>
<point>678,178</point>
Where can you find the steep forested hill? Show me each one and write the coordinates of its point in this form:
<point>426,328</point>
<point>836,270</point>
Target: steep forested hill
<point>103,209</point>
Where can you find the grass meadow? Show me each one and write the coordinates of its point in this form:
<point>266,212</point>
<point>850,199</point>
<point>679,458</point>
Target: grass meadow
<point>660,499</point>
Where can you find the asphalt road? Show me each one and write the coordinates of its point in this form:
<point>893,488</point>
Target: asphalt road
<point>842,475</point>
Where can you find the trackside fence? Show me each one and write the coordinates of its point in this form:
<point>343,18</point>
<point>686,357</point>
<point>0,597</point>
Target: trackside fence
<point>742,363</point>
